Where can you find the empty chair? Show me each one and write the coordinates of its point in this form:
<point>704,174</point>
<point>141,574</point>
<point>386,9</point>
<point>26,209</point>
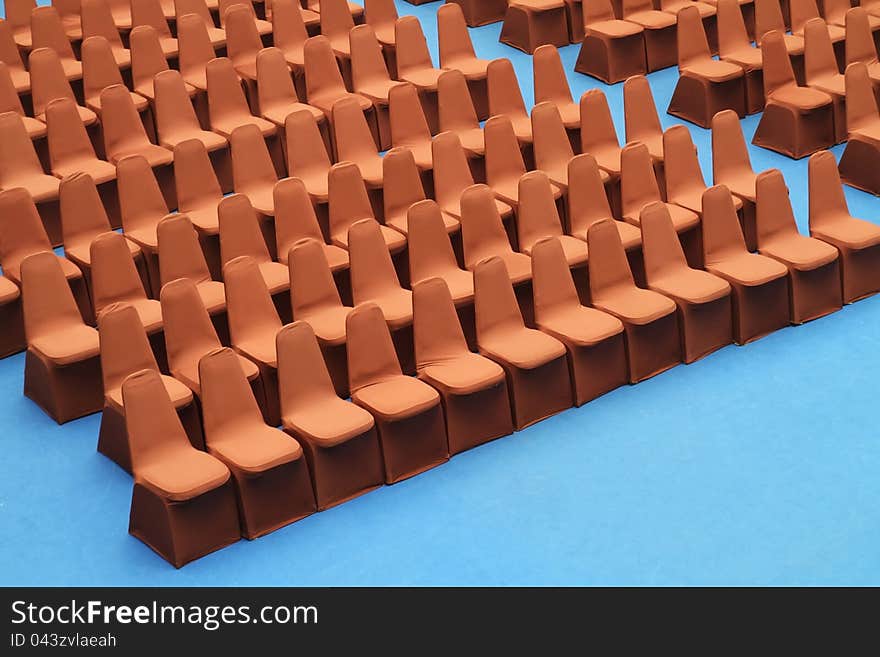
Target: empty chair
<point>227,105</point>
<point>49,83</point>
<point>732,168</point>
<point>70,149</point>
<point>148,60</point>
<point>588,203</point>
<point>276,94</point>
<point>483,235</point>
<point>97,20</point>
<point>857,241</point>
<point>349,203</point>
<point>735,46</point>
<point>16,12</point>
<point>649,319</point>
<point>858,162</point>
<point>149,13</point>
<point>295,220</point>
<point>408,412</point>
<point>414,64</point>
<point>289,33</point>
<point>457,113</point>
<point>243,40</point>
<point>759,284</point>
<point>48,32</point>
<point>354,141</point>
<point>409,128</point>
<point>473,387</point>
<point>613,50</point>
<point>431,254</point>
<point>705,85</point>
<point>12,339</point>
<point>452,176</point>
<point>860,41</point>
<point>124,351</point>
<point>195,51</point>
<point>338,437</point>
<point>813,269</point>
<point>403,188</point>
<point>532,23</point>
<point>199,9</point>
<point>551,86</point>
<point>703,299</point>
<point>504,161</point>
<point>594,339</point>
<point>62,369</point>
<point>481,12</point>
<point>315,300</point>
<point>641,121</point>
<point>538,219</point>
<point>457,53</point>
<point>271,473</point>
<point>336,23</point>
<point>10,55</point>
<point>820,71</point>
<point>183,502</point>
<point>253,324</point>
<point>552,148</point>
<point>324,84</point>
<point>660,32</point>
<point>253,173</point>
<point>535,364</point>
<point>141,206</point>
<point>264,27</point>
<point>370,77</point>
<point>307,157</point>
<point>505,99</point>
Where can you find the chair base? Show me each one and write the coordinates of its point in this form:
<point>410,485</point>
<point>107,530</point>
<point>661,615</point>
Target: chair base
<point>860,165</point>
<point>538,393</point>
<point>661,48</point>
<point>794,134</point>
<point>652,348</point>
<point>412,445</point>
<point>526,29</point>
<point>614,60</point>
<point>12,339</point>
<point>859,271</point>
<point>477,12</point>
<point>759,310</point>
<point>596,369</point>
<point>815,293</point>
<point>64,393</point>
<point>574,15</point>
<point>181,532</point>
<point>705,327</point>
<point>476,418</point>
<point>698,100</point>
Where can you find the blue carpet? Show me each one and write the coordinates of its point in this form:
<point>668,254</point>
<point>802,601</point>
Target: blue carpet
<point>757,465</point>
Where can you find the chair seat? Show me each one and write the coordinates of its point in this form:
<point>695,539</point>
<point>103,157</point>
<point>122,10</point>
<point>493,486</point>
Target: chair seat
<point>156,156</point>
<point>204,217</point>
<point>400,222</point>
<point>460,283</point>
<point>692,199</point>
<point>80,255</point>
<point>325,102</point>
<point>538,5</point>
<point>682,218</point>
<point>423,79</point>
<point>741,184</point>
<point>316,182</point>
<point>613,29</point>
<point>67,345</point>
<point>524,348</point>
<point>213,295</point>
<point>394,240</point>
<point>580,325</point>
<point>634,305</point>
<point>691,285</point>
<point>178,392</point>
<point>94,102</point>
<point>278,113</point>
<point>748,58</point>
<point>188,373</point>
<point>149,312</point>
<point>275,275</point>
<point>799,251</point>
<point>749,269</point>
<point>371,170</point>
<point>101,171</point>
<point>453,208</point>
<point>87,116</point>
<point>35,129</point>
<point>833,85</point>
<point>211,140</point>
<point>471,67</point>
<point>802,99</point>
<point>327,323</point>
<point>397,398</point>
<point>714,70</point>
<point>463,375</point>
<point>651,19</point>
<point>422,154</point>
<point>9,291</point>
<point>396,306</point>
<point>472,140</point>
<point>261,197</point>
<point>254,448</point>
<point>329,421</point>
<point>377,90</point>
<point>260,349</point>
<point>40,187</point>
<point>853,233</point>
<point>226,126</point>
<point>575,250</point>
<point>183,474</point>
<point>608,158</point>
<point>630,236</point>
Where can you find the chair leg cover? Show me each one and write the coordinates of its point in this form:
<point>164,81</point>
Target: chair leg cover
<point>860,166</point>
<point>697,100</point>
<point>345,471</point>
<point>274,498</point>
<point>652,348</point>
<point>412,445</point>
<point>113,436</point>
<point>705,327</point>
<point>661,48</point>
<point>12,338</point>
<point>759,310</point>
<point>526,29</point>
<point>794,134</point>
<point>477,418</point>
<point>815,293</point>
<point>574,14</point>
<point>754,83</point>
<point>181,532</point>
<point>859,271</point>
<point>538,393</point>
<point>64,393</point>
<point>598,368</point>
<point>613,60</point>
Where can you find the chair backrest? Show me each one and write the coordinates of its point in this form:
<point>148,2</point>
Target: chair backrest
<point>336,19</point>
<point>225,6</point>
<point>122,128</point>
<point>311,282</point>
<point>348,198</point>
<point>495,303</point>
<point>587,200</point>
<point>801,12</point>
<point>47,302</point>
<point>730,154</point>
<point>141,203</point>
<point>548,76</point>
<point>452,174</point>
<point>861,104</point>
<point>18,158</point>
<point>66,135</point>
<point>638,183</point>
<point>115,278</point>
<point>403,184</point>
<point>323,77</point>
<point>859,39</point>
<point>482,231</point>
<point>660,244</point>
<point>827,200</point>
<point>148,13</point>
<point>305,148</point>
<point>504,159</point>
<point>379,13</point>
<point>453,39</point>
<point>21,229</point>
<point>537,217</point>
<point>681,165</point>
<point>609,269</point>
<point>83,216</point>
<point>372,271</point>
<point>436,329</point>
<point>226,100</point>
<point>47,31</point>
<point>174,111</point>
<point>722,232</point>
<point>597,126</point>
<point>693,47</point>
<point>189,333</point>
<point>411,46</point>
<point>194,44</point>
<point>629,7</point>
<point>228,403</point>
<point>180,255</point>
<point>778,72</point>
<point>768,17</point>
<point>125,348</point>
<point>408,123</point>
<point>455,106</point>
<point>641,121</point>
<point>551,144</point>
<point>288,29</point>
<point>147,58</point>
<point>9,52</point>
<point>505,97</point>
<point>17,12</point>
<point>597,11</point>
<point>353,138</point>
<point>732,33</point>
<point>303,379</point>
<point>249,306</point>
<point>295,217</point>
<point>371,355</point>
<point>773,215</point>
<point>97,20</point>
<point>99,67</point>
<point>197,7</point>
<point>243,40</point>
<point>834,11</point>
<point>194,177</point>
<point>48,81</point>
<point>819,59</point>
<point>252,165</point>
<point>367,62</point>
<point>240,233</point>
<point>552,285</point>
<point>430,251</point>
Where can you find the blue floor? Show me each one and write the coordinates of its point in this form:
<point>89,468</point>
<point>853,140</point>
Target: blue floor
<point>757,465</point>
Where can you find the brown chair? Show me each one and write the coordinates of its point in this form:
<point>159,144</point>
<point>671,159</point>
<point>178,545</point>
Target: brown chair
<point>149,13</point>
<point>148,60</point>
<point>349,203</point>
<point>769,18</point>
<point>535,364</point>
<point>813,265</point>
<point>641,121</point>
<point>338,437</point>
<point>857,241</point>
<point>336,23</point>
<point>820,71</point>
<point>22,234</point>
<point>196,50</point>
<point>355,142</point>
<point>183,502</point>
<point>858,162</point>
<point>381,15</point>
<point>315,300</point>
<point>264,27</point>
<point>457,53</point>
<point>652,336</point>
<point>859,46</point>
<point>505,99</point>
<point>403,188</point>
<point>660,32</point>
<point>277,96</point>
<point>552,148</point>
<point>307,156</point>
<point>473,387</point>
<point>735,46</point>
<point>10,55</point>
<point>142,206</point>
<point>480,12</point>
<point>370,77</point>
<point>124,351</point>
<point>414,65</point>
<point>732,168</point>
<point>198,194</point>
<point>431,254</point>
<point>100,71</point>
<point>593,339</point>
<point>243,41</point>
<point>253,324</point>
<point>12,339</point>
<point>705,85</point>
<point>47,29</point>
<point>613,49</point>
<point>289,35</point>
<point>199,8</point>
<point>97,20</point>
<point>551,86</point>
<point>599,138</point>
<point>295,220</point>
<point>529,24</point>
<point>408,412</point>
<point>272,481</point>
<point>48,83</point>
<point>253,173</point>
<point>457,113</point>
<point>538,219</point>
<point>409,128</point>
<point>759,284</point>
<point>227,106</point>
<point>703,299</point>
<point>588,203</point>
<point>483,235</point>
<point>16,13</point>
<point>62,369</point>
